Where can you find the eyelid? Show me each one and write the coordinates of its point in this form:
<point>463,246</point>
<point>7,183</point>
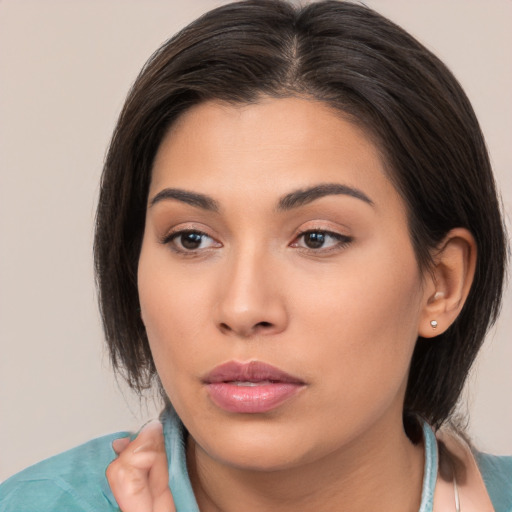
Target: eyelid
<point>185,227</point>
<point>169,237</point>
<point>343,240</point>
<point>175,232</point>
<point>325,227</point>
<point>333,234</point>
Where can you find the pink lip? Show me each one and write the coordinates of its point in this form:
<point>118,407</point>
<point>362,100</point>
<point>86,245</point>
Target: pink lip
<point>270,387</point>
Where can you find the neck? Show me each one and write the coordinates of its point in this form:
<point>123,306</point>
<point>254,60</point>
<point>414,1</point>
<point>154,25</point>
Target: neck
<point>381,470</point>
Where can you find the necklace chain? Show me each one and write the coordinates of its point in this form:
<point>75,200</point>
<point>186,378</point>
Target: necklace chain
<point>456,494</point>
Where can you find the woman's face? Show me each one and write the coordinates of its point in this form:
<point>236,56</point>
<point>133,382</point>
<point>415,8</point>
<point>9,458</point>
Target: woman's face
<point>278,284</point>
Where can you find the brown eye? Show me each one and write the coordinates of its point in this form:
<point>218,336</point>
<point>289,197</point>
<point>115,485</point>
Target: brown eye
<point>314,239</point>
<point>190,241</point>
<point>321,241</point>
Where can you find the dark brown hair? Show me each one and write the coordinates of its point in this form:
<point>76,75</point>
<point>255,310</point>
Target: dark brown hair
<point>372,72</point>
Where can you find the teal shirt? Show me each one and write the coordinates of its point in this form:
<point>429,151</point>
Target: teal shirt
<point>75,480</point>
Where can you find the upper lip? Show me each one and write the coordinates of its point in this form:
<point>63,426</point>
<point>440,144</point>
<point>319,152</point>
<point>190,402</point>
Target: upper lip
<point>252,371</point>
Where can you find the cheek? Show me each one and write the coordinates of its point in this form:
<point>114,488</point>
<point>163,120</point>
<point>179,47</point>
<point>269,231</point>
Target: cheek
<point>364,323</point>
<point>169,308</point>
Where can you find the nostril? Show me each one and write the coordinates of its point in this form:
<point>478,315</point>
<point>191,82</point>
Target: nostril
<point>260,326</point>
<point>264,324</point>
<point>225,327</point>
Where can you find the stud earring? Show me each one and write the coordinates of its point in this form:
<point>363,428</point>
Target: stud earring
<point>433,323</point>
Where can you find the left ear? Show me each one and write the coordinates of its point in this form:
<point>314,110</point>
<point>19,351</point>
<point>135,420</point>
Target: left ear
<point>448,283</point>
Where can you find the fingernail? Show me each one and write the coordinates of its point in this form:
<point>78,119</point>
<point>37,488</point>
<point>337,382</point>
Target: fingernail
<point>155,423</point>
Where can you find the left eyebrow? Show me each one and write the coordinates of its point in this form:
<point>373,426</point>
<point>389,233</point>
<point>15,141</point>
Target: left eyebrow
<point>305,196</point>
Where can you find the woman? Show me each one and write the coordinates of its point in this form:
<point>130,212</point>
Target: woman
<point>299,239</point>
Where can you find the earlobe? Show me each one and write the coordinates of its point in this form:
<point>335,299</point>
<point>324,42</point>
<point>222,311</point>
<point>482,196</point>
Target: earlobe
<point>448,283</point>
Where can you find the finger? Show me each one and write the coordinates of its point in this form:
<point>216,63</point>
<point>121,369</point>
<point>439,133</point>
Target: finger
<point>139,476</point>
<point>159,484</point>
<point>128,477</point>
<point>152,443</point>
<point>164,502</point>
<point>120,444</point>
<point>149,437</point>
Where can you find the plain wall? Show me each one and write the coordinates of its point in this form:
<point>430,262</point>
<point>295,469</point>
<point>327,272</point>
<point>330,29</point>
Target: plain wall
<point>65,68</point>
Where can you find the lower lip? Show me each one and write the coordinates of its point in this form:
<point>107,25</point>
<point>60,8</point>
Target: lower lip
<point>251,399</point>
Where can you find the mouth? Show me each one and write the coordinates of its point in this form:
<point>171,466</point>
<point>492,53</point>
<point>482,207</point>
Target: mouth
<point>252,387</point>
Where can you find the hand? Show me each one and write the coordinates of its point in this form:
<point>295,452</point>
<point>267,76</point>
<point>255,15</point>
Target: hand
<point>139,478</point>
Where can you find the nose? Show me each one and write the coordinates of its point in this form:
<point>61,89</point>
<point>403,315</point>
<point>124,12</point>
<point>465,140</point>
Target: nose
<point>251,301</point>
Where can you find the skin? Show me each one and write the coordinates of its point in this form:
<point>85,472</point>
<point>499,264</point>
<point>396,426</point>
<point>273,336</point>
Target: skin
<point>344,317</point>
<point>139,477</point>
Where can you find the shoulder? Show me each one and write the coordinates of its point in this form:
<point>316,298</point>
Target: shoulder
<point>485,481</point>
<point>73,480</point>
<point>497,474</point>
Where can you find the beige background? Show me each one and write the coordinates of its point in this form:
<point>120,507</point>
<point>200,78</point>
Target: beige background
<point>65,67</point>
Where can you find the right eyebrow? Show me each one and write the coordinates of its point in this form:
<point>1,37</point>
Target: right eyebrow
<point>192,198</point>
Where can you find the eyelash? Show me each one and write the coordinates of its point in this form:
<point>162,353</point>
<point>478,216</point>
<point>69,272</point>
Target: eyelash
<point>342,241</point>
<point>171,237</point>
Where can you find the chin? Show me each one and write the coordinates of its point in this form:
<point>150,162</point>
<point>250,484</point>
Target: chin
<point>263,446</point>
<point>250,457</point>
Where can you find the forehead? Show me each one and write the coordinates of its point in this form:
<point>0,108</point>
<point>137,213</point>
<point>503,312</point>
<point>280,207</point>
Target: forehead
<point>270,147</point>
